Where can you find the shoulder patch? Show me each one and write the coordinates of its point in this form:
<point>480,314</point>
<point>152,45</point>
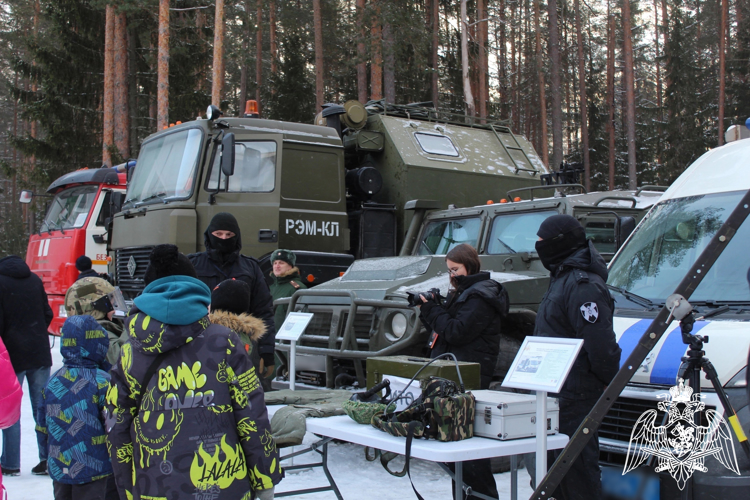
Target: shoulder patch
<point>581,276</point>
<point>590,312</point>
<point>294,284</point>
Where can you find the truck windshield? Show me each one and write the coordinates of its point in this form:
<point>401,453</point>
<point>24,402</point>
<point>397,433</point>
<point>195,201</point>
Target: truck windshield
<point>166,167</point>
<point>669,240</point>
<point>516,232</point>
<point>440,237</point>
<point>70,208</point>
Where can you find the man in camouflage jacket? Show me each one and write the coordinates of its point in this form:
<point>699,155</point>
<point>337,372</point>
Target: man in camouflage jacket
<point>201,429</point>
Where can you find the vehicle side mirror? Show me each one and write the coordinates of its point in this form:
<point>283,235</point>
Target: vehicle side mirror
<point>115,202</point>
<point>227,154</point>
<point>625,226</point>
<point>26,196</point>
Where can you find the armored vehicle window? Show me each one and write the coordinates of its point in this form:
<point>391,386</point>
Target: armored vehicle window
<point>666,244</point>
<point>513,233</point>
<point>70,208</point>
<point>440,237</point>
<point>166,167</point>
<point>602,235</point>
<point>254,169</point>
<point>436,144</point>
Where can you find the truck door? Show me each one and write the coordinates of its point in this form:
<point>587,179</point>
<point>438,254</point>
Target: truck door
<point>251,194</point>
<point>95,241</point>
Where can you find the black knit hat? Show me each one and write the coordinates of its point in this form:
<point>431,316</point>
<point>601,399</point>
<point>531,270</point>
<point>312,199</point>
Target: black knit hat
<point>166,260</point>
<point>83,263</point>
<point>284,255</point>
<point>231,296</point>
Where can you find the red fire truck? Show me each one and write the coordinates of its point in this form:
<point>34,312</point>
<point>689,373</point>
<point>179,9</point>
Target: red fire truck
<point>74,225</point>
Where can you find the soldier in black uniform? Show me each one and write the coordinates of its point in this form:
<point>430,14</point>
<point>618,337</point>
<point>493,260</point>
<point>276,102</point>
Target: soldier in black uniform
<point>578,305</point>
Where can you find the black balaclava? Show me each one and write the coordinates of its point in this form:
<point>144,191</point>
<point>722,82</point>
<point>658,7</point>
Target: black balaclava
<point>223,251</point>
<point>561,236</point>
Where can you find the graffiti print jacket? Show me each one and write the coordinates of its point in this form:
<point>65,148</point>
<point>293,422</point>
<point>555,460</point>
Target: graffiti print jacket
<point>201,429</point>
<point>70,413</point>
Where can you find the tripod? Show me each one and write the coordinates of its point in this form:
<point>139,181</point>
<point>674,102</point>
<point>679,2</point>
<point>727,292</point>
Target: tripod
<point>692,364</point>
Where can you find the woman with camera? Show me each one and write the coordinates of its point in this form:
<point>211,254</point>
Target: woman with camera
<point>468,324</point>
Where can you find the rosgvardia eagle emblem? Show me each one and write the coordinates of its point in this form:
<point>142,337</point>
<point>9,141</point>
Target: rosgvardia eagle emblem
<point>681,446</point>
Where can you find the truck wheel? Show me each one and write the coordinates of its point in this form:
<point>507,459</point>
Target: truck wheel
<point>509,346</point>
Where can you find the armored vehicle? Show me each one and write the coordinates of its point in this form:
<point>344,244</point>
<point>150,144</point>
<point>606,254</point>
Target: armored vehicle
<point>331,192</point>
<point>365,312</point>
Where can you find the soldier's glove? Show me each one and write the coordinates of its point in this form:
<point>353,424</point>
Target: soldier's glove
<point>266,365</point>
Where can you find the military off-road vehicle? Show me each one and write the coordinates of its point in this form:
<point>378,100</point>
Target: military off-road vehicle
<point>365,313</point>
<point>331,192</point>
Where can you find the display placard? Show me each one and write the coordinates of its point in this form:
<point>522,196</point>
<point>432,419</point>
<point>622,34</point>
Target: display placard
<point>542,363</point>
<point>294,326</point>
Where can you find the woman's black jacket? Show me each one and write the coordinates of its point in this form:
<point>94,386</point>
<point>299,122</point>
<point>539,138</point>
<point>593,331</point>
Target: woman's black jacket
<point>468,323</point>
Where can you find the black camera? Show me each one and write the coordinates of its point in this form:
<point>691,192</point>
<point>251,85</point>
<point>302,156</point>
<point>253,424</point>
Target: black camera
<point>433,295</point>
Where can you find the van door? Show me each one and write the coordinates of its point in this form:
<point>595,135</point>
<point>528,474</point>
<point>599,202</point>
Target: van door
<point>251,194</point>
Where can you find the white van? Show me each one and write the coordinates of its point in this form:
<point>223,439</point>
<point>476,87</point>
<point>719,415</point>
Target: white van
<point>648,268</point>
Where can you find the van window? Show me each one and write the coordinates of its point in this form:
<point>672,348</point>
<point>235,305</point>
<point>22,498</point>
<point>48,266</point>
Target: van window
<point>254,169</point>
<point>513,233</point>
<point>436,144</point>
<point>440,237</point>
<point>669,240</point>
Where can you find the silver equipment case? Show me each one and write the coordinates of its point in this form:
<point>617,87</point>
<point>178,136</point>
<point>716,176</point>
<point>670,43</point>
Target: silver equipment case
<point>508,415</point>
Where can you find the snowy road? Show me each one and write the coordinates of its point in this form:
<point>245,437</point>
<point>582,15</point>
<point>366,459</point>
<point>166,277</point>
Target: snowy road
<point>355,477</point>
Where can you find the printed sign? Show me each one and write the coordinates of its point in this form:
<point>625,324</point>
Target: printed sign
<point>542,364</point>
<point>680,446</point>
<point>398,384</point>
<point>294,326</point>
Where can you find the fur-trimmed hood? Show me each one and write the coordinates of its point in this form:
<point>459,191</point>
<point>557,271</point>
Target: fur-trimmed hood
<point>242,323</point>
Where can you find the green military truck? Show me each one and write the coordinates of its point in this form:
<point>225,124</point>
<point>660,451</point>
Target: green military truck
<point>331,192</point>
<point>365,313</point>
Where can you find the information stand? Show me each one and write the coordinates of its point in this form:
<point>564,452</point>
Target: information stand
<point>542,365</point>
<point>292,329</point>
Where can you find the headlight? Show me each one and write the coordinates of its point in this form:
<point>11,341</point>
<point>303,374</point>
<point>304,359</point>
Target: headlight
<point>61,312</point>
<point>738,380</point>
<point>398,326</point>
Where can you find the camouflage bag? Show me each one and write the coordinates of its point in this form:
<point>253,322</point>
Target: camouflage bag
<point>443,412</point>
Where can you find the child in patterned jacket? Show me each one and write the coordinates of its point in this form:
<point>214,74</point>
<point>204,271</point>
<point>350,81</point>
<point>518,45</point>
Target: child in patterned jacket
<point>71,422</point>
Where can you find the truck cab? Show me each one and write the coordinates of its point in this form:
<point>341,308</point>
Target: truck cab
<point>365,312</point>
<point>74,225</point>
<point>648,268</point>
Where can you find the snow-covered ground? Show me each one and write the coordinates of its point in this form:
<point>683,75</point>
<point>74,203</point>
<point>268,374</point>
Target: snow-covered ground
<point>355,477</point>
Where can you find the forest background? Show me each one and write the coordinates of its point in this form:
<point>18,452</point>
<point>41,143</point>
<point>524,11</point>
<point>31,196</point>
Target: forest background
<point>635,90</point>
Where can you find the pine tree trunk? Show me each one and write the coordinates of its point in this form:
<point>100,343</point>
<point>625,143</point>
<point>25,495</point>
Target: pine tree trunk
<point>657,63</point>
<point>376,61</point>
<point>629,93</point>
<point>162,92</point>
<point>722,67</point>
<point>611,96</point>
<point>272,35</point>
<point>121,115</point>
<point>108,136</point>
<point>482,36</point>
<point>543,144</point>
<point>583,101</point>
<point>217,78</point>
<point>243,68</point>
<point>318,26</point>
<point>361,55</point>
<point>665,23</point>
<point>468,97</point>
<point>515,110</point>
<point>389,64</point>
<point>259,51</point>
<point>435,92</point>
<point>34,86</point>
<point>555,90</point>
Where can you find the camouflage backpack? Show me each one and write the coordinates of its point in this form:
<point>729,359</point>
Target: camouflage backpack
<point>443,412</point>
